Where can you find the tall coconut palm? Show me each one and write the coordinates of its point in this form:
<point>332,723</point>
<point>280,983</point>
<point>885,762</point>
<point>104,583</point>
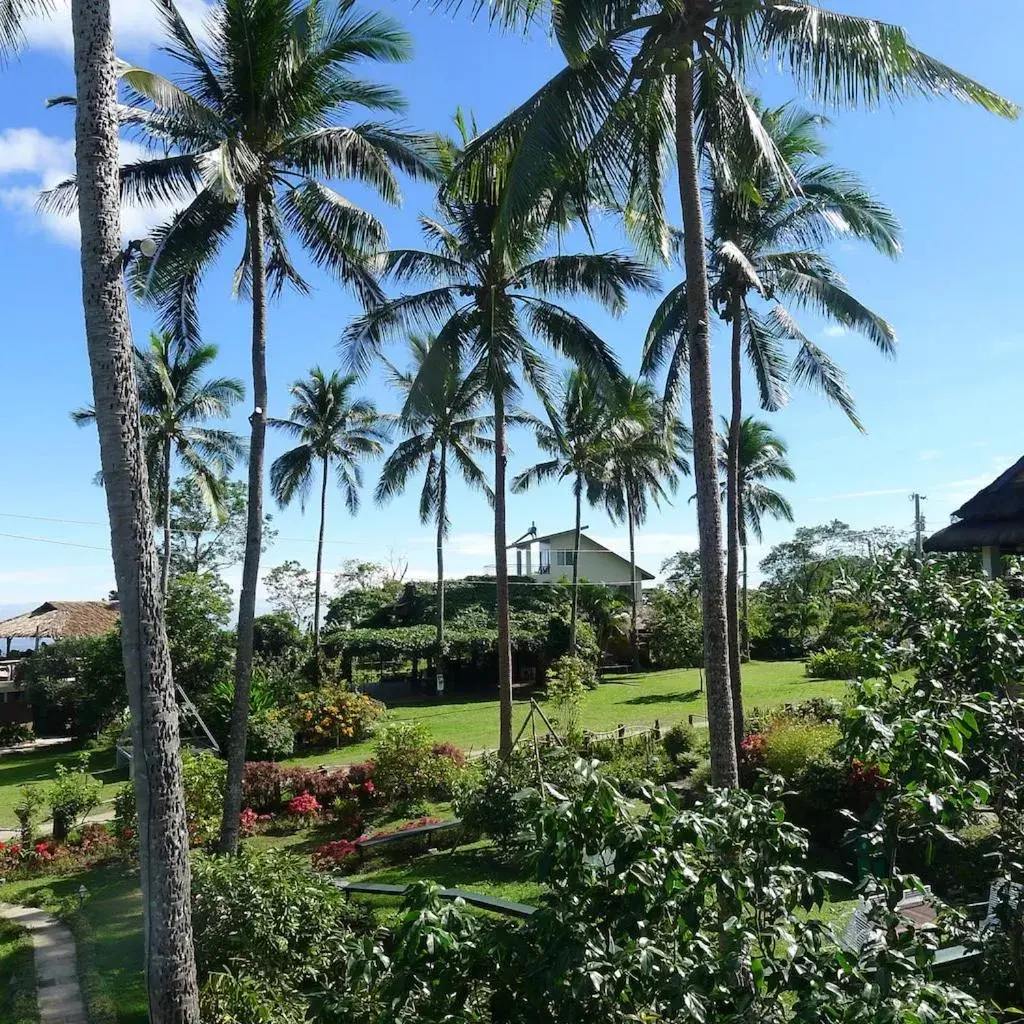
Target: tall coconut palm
<point>574,435</point>
<point>175,402</point>
<point>335,430</point>
<point>768,241</point>
<point>169,955</point>
<point>489,298</point>
<point>646,83</point>
<point>643,460</point>
<point>439,418</point>
<point>762,457</point>
<point>248,135</point>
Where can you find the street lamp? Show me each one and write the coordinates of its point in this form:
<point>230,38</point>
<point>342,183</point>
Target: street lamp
<point>145,246</point>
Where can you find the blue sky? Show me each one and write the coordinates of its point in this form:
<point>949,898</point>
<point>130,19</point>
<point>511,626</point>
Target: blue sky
<point>941,419</point>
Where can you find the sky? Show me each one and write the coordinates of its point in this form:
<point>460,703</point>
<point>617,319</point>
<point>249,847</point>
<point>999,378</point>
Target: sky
<point>941,418</point>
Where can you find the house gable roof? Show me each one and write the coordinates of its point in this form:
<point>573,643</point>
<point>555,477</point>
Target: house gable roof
<point>58,620</point>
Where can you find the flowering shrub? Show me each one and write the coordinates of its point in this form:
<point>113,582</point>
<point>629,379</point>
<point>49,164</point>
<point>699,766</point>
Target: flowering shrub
<point>304,805</point>
<point>267,786</point>
<point>332,856</point>
<point>410,766</point>
<point>451,752</point>
<point>332,716</point>
<point>250,822</point>
<point>93,845</point>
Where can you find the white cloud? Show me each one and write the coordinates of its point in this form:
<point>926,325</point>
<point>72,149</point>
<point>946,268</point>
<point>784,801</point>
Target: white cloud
<point>31,162</point>
<point>835,331</point>
<point>136,25</point>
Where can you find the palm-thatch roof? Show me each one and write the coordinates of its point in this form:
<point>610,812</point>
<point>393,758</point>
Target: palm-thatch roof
<point>58,620</point>
<point>993,518</point>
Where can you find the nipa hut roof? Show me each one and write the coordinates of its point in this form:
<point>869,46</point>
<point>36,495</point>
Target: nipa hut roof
<point>62,619</point>
<point>994,517</point>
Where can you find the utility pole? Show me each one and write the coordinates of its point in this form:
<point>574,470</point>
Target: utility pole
<point>918,523</point>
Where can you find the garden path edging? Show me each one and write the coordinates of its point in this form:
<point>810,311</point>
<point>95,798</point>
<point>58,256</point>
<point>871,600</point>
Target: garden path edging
<point>58,993</point>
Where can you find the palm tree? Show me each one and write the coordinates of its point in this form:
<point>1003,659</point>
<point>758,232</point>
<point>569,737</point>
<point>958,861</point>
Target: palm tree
<point>334,429</point>
<point>164,874</point>
<point>488,297</point>
<point>644,458</point>
<point>575,438</point>
<point>645,83</point>
<point>249,134</point>
<point>761,456</point>
<point>439,417</point>
<point>767,239</point>
<point>175,402</point>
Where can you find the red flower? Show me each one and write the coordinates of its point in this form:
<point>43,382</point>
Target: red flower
<point>369,788</point>
<point>128,833</point>
<point>41,847</point>
<point>304,804</point>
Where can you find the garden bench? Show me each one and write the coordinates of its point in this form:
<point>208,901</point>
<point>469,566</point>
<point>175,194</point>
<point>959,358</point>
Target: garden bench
<point>477,899</point>
<point>421,830</point>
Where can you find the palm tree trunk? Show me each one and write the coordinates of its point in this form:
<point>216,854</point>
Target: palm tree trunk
<point>501,578</point>
<point>319,571</point>
<point>165,568</point>
<point>732,501</point>
<point>442,502</point>
<point>253,530</point>
<point>576,565</point>
<point>705,462</point>
<point>633,643</point>
<point>156,767</point>
<point>744,628</point>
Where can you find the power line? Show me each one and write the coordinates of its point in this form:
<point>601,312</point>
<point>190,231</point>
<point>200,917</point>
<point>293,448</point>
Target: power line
<point>50,540</point>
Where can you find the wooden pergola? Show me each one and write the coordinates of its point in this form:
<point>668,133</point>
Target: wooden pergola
<point>992,522</point>
<point>58,620</point>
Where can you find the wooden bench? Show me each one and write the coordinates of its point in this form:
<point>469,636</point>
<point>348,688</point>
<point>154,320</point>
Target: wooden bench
<point>420,830</point>
<point>477,899</point>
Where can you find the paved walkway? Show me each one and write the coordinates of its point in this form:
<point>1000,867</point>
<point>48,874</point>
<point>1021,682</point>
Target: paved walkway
<point>57,991</point>
<point>104,814</point>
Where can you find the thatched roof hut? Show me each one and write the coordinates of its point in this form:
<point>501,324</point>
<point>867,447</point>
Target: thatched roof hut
<point>991,522</point>
<point>57,620</point>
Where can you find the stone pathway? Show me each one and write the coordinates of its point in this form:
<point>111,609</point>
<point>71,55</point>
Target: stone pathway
<point>105,814</point>
<point>57,991</point>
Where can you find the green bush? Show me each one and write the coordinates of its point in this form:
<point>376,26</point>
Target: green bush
<point>203,776</point>
<point>644,764</point>
<point>72,795</point>
<point>790,746</point>
<point>683,741</point>
<point>406,766</point>
<point>834,663</point>
<point>233,998</point>
<point>676,634</point>
<point>569,678</point>
<point>31,799</point>
<point>268,915</point>
<point>271,737</point>
<point>491,802</point>
<point>14,733</point>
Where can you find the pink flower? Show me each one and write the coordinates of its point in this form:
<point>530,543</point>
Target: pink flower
<point>304,804</point>
<point>41,847</point>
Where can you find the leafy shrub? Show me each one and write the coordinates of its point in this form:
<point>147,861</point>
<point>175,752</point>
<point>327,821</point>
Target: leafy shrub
<point>790,746</point>
<point>569,678</point>
<point>237,998</point>
<point>271,736</point>
<point>204,776</point>
<point>489,804</point>
<point>72,795</point>
<point>14,733</point>
<point>332,716</point>
<point>305,805</point>
<point>451,752</point>
<point>266,914</point>
<point>261,786</point>
<point>31,799</point>
<point>645,764</point>
<point>406,766</point>
<point>126,818</point>
<point>816,709</point>
<point>835,663</point>
<point>682,742</point>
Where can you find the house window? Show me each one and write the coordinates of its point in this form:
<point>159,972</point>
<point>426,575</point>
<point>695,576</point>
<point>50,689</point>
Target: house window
<point>564,558</point>
<point>544,561</point>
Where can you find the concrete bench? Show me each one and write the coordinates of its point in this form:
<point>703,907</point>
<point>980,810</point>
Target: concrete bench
<point>421,830</point>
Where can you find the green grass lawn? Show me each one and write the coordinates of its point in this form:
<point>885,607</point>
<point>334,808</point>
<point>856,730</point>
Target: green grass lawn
<point>39,765</point>
<point>668,697</point>
<point>17,976</point>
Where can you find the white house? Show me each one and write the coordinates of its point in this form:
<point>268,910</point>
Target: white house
<point>549,558</point>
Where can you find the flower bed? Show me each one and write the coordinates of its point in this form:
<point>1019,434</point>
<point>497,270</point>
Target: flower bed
<point>94,845</point>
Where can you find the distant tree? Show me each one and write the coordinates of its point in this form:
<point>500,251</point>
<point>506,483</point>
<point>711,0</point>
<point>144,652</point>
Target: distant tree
<point>207,539</point>
<point>335,431</point>
<point>176,402</point>
<point>198,614</point>
<point>356,574</point>
<point>291,589</point>
<point>644,458</point>
<point>277,636</point>
<point>682,573</point>
<point>575,439</point>
<point>443,431</point>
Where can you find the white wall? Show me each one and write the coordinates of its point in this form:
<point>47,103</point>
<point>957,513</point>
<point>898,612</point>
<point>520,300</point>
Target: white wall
<point>597,564</point>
